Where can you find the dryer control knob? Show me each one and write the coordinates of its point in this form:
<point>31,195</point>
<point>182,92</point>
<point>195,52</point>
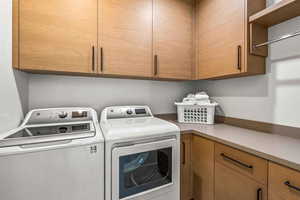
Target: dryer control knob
<point>63,115</point>
<point>129,112</point>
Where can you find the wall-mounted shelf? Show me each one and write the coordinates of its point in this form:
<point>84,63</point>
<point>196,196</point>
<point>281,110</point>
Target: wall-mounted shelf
<point>275,14</point>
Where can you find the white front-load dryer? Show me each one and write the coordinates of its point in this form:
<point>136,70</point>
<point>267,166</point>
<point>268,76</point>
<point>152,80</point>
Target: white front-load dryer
<point>142,155</point>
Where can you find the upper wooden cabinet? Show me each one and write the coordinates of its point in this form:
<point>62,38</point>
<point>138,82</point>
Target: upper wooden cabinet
<point>173,38</point>
<point>222,36</point>
<point>159,39</point>
<point>58,35</point>
<point>109,37</point>
<point>126,37</point>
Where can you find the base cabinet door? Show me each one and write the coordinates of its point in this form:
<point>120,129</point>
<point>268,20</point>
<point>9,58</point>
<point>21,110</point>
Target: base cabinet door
<point>231,185</point>
<point>58,35</point>
<point>202,168</point>
<point>284,183</point>
<point>185,169</point>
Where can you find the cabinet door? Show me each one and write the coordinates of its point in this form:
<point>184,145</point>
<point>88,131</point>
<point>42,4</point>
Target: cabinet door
<point>242,162</point>
<point>173,38</point>
<point>185,169</point>
<point>284,183</point>
<point>220,37</point>
<point>203,168</point>
<point>126,37</point>
<point>231,185</point>
<point>58,35</point>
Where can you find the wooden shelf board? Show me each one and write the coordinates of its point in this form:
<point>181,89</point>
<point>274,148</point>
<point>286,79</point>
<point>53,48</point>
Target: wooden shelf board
<point>277,13</point>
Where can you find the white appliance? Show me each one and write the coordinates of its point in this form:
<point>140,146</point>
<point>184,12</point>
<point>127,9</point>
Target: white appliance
<point>56,154</point>
<point>142,155</point>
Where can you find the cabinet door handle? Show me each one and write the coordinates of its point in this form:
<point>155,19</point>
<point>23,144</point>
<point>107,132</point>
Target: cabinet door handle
<point>101,59</point>
<point>183,153</point>
<point>259,194</point>
<point>155,64</point>
<point>287,183</point>
<point>93,58</point>
<point>239,57</point>
<point>236,161</point>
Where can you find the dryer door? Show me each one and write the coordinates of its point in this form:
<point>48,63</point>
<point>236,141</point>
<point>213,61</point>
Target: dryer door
<point>142,169</point>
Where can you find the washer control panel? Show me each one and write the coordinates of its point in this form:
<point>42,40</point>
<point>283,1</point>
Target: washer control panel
<point>58,115</point>
<point>127,112</point>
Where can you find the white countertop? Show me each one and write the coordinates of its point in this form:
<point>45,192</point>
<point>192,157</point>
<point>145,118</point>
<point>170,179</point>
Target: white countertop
<point>277,148</point>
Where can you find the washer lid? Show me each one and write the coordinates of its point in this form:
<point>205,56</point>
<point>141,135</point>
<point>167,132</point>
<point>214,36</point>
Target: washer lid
<point>134,128</point>
<point>48,133</point>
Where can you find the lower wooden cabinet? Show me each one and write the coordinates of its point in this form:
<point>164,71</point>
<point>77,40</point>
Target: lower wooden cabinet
<point>213,171</point>
<point>244,163</point>
<point>232,185</point>
<point>284,183</point>
<point>185,170</point>
<point>202,168</point>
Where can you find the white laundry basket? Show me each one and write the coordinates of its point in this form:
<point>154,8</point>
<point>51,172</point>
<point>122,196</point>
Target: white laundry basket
<point>202,114</point>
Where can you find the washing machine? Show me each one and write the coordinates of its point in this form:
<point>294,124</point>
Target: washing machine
<point>56,154</point>
<point>142,155</point>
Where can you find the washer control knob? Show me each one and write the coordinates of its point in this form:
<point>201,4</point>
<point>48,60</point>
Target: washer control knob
<point>129,112</point>
<point>63,115</point>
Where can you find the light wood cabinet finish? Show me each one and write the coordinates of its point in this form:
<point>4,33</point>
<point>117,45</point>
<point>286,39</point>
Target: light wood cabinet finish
<point>57,35</point>
<point>15,34</point>
<point>185,170</point>
<point>235,176</point>
<point>222,35</point>
<point>220,32</point>
<point>278,176</point>
<point>191,39</point>
<point>259,166</point>
<point>203,168</point>
<point>231,185</point>
<point>126,37</point>
<point>173,38</point>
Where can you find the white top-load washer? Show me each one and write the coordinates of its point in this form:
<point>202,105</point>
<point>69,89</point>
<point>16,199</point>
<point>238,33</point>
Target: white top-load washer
<point>142,155</point>
<point>56,154</point>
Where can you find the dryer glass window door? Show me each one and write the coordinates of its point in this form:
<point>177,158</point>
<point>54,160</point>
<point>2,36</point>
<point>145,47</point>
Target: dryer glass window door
<point>143,168</point>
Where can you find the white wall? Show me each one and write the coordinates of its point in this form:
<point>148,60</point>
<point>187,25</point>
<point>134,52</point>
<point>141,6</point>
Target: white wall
<point>10,106</point>
<point>274,97</point>
<point>22,80</point>
<point>54,91</point>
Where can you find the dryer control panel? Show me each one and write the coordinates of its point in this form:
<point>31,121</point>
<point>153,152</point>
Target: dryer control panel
<point>119,112</point>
